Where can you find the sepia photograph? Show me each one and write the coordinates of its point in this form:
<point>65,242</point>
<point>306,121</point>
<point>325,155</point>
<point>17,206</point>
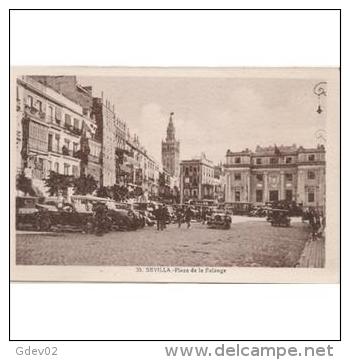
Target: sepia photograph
<point>175,174</point>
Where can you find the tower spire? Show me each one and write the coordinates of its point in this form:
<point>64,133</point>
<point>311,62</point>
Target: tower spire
<point>171,128</point>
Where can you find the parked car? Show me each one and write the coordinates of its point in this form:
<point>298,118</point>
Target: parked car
<point>258,211</point>
<point>29,214</point>
<point>219,220</point>
<point>280,217</point>
<point>67,215</point>
<point>123,220</point>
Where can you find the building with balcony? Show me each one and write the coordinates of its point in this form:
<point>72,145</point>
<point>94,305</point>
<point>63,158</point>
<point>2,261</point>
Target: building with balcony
<point>197,179</point>
<point>90,143</point>
<point>276,173</point>
<point>141,171</point>
<point>49,130</point>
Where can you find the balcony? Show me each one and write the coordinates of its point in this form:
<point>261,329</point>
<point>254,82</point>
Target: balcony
<point>72,129</point>
<point>35,112</point>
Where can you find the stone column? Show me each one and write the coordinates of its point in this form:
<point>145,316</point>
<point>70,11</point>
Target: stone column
<point>282,192</point>
<point>300,187</point>
<point>228,187</point>
<point>265,195</point>
<point>248,187</point>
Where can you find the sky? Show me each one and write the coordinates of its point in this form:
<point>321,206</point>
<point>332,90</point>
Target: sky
<point>212,115</point>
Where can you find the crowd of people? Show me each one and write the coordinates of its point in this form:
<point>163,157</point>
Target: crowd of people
<point>317,221</point>
<point>180,216</point>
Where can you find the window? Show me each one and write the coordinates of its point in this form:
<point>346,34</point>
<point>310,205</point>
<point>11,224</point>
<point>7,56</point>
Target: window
<point>237,196</point>
<point>274,195</point>
<point>258,161</point>
<point>75,147</point>
<point>57,167</point>
<point>50,139</point>
<point>273,160</point>
<point>51,113</point>
<point>237,176</point>
<point>311,157</point>
<point>289,195</point>
<point>49,165</point>
<point>57,139</point>
<point>30,100</point>
<point>289,177</point>
<point>311,175</point>
<point>75,171</point>
<point>67,120</point>
<point>58,115</point>
<point>259,177</point>
<point>237,160</point>
<point>288,160</point>
<point>66,169</point>
<point>310,196</point>
<point>76,124</point>
<point>65,148</point>
<point>39,105</point>
<point>259,196</point>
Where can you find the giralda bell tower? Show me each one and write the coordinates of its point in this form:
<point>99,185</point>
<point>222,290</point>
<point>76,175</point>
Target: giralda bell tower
<point>171,150</point>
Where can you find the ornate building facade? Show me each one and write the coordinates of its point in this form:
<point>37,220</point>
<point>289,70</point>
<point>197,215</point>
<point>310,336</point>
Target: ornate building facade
<point>49,131</point>
<point>276,173</point>
<point>197,179</point>
<point>171,151</point>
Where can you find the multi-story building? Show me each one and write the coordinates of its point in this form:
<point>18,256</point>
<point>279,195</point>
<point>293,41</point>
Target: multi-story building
<point>82,95</point>
<point>219,183</point>
<point>196,179</point>
<point>103,112</point>
<point>140,168</point>
<point>68,86</point>
<point>276,173</point>
<point>49,129</point>
<point>171,150</point>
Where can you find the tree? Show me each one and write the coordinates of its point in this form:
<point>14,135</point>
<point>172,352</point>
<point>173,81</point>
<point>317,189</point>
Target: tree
<point>25,185</point>
<point>119,192</point>
<point>85,184</point>
<point>57,183</point>
<point>104,191</point>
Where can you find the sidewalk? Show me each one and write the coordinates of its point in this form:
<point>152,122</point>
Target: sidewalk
<point>313,255</point>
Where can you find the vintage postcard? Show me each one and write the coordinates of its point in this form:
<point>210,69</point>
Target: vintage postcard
<point>208,175</point>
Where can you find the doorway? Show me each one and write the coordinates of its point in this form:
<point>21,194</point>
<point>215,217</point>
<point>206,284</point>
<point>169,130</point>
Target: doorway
<point>273,195</point>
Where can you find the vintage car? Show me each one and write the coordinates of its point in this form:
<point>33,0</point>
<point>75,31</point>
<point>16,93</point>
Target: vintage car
<point>238,208</point>
<point>279,217</point>
<point>29,214</point>
<point>65,216</point>
<point>124,220</point>
<point>219,220</point>
<point>258,211</point>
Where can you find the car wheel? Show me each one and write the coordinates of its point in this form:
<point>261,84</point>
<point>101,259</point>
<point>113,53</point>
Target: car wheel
<point>44,223</point>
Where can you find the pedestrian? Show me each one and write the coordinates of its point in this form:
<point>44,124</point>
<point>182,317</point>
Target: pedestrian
<point>313,224</point>
<point>204,215</point>
<point>158,217</point>
<point>101,219</point>
<point>164,216</point>
<point>188,216</point>
<point>179,217</point>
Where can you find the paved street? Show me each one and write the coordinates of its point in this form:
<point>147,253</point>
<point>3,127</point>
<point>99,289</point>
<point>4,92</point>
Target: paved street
<point>249,242</point>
